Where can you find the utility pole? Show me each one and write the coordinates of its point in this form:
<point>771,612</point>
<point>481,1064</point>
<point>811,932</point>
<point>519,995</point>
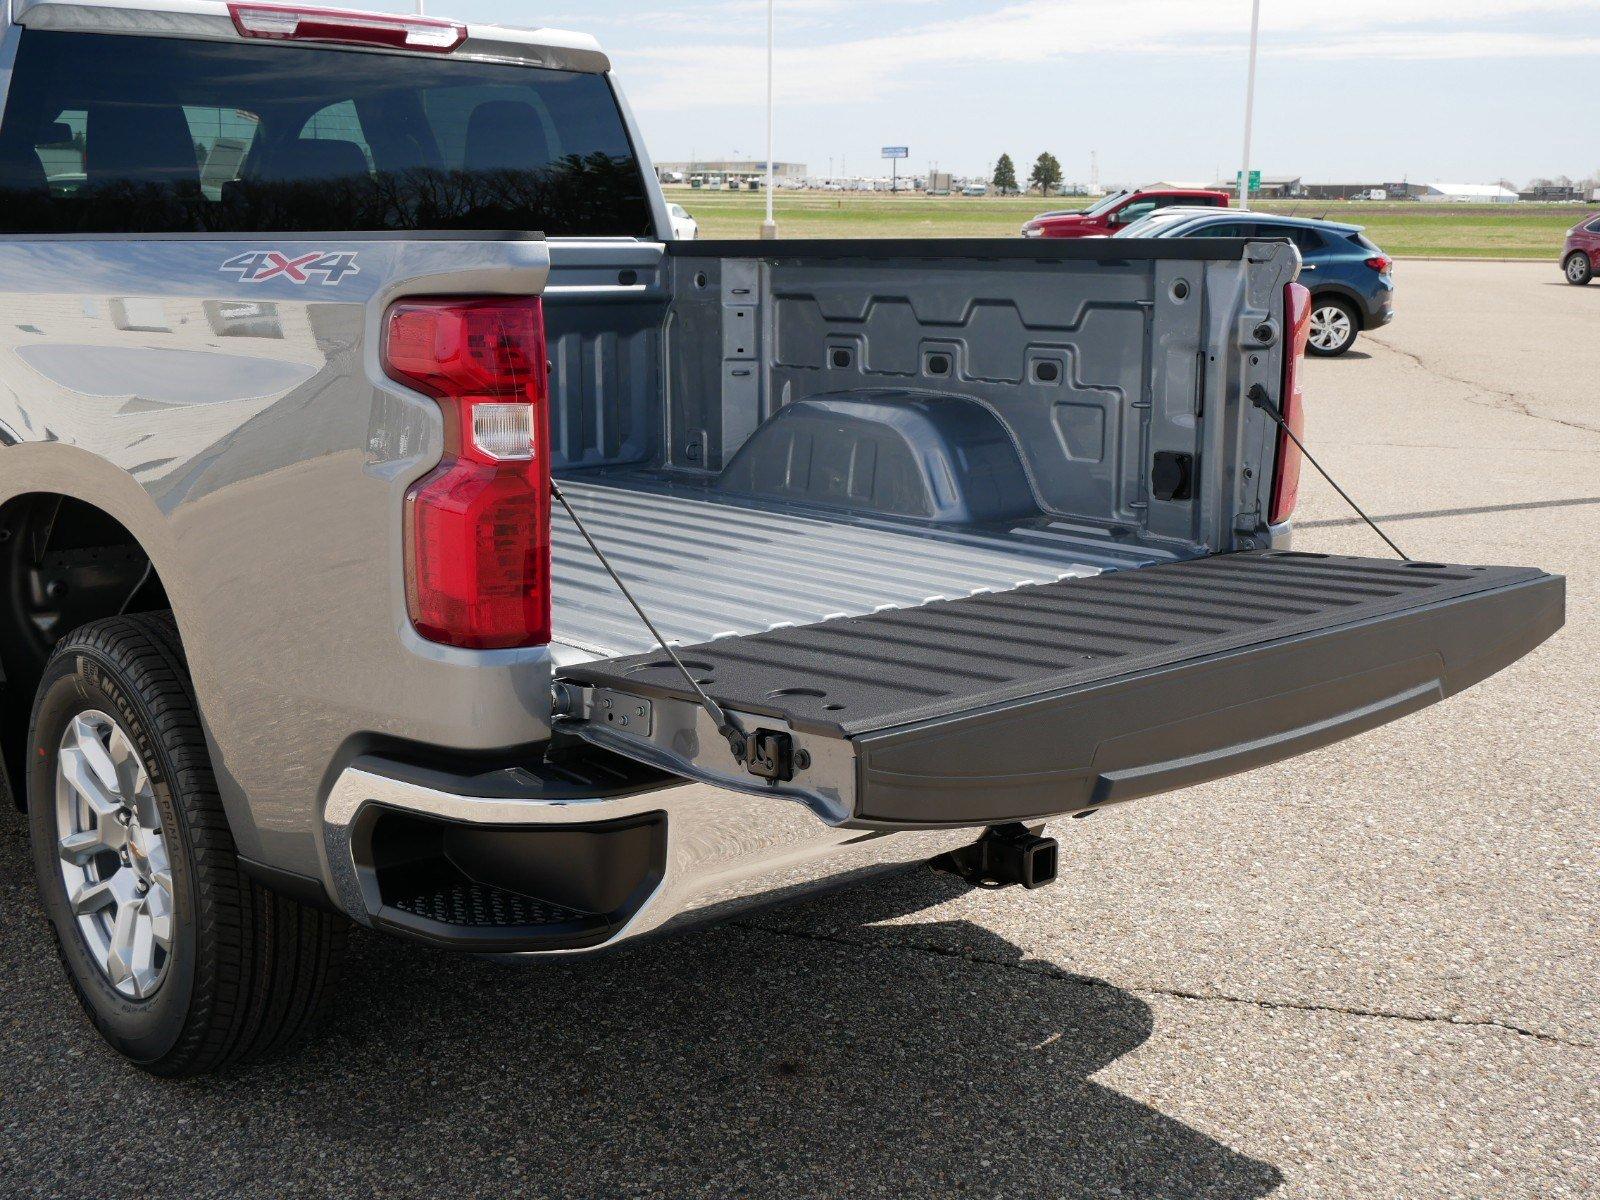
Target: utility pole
<point>769,227</point>
<point>1249,103</point>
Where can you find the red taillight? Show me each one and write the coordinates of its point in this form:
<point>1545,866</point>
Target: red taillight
<point>478,526</point>
<point>286,22</point>
<point>1286,475</point>
<point>1381,263</point>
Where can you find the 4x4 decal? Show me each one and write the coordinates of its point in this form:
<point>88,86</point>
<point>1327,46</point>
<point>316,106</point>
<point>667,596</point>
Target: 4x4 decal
<point>260,266</point>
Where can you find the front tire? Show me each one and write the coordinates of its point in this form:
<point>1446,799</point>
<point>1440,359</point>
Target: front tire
<point>183,962</point>
<point>1578,268</point>
<point>1333,327</point>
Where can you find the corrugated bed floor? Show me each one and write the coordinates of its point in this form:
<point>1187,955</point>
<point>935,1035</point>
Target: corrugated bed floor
<point>707,567</point>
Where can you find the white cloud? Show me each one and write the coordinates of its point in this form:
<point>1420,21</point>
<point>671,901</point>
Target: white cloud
<point>854,68</point>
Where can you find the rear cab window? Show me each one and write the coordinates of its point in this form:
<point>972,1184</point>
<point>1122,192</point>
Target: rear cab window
<point>115,134</point>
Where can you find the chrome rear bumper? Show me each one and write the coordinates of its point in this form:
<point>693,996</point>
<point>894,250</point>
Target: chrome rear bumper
<point>723,851</point>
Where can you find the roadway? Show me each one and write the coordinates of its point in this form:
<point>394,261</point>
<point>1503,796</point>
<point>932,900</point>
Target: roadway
<point>1368,972</point>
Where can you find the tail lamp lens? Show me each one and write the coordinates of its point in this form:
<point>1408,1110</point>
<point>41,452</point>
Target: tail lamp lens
<point>478,526</point>
<point>1381,263</point>
<point>1286,475</point>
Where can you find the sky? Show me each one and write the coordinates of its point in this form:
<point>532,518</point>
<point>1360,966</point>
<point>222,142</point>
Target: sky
<point>1425,90</point>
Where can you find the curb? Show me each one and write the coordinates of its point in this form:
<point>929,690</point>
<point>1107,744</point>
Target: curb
<point>1467,258</point>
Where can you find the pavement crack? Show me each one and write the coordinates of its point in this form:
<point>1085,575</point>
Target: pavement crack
<point>1050,971</point>
<point>1489,397</point>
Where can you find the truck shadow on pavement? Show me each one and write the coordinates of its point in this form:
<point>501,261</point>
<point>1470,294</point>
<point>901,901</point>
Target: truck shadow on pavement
<point>808,1051</point>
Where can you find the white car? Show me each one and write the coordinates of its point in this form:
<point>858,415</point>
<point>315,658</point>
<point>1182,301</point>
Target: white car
<point>684,227</point>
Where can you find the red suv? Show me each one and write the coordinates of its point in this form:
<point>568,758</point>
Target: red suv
<point>1119,209</point>
<point>1582,251</point>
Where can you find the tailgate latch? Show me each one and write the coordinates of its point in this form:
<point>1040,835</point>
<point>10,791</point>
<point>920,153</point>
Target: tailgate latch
<point>769,754</point>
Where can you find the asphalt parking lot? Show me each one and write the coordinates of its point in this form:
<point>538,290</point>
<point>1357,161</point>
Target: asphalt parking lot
<point>1368,972</point>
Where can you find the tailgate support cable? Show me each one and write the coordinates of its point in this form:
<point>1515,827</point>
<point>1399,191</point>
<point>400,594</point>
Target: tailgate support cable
<point>1258,397</point>
<point>727,724</point>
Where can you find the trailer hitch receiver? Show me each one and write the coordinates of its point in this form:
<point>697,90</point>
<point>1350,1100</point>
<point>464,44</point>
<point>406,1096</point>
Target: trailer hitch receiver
<point>1004,855</point>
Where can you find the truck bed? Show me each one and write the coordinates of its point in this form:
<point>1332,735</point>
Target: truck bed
<point>708,566</point>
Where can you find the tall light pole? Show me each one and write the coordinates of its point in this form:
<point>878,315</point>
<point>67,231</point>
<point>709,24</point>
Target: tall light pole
<point>769,227</point>
<point>1249,103</point>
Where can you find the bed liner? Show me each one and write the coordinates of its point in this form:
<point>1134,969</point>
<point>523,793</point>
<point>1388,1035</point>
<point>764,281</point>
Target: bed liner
<point>708,566</point>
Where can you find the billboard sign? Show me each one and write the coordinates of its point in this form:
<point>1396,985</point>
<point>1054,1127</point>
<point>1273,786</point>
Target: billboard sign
<point>896,152</point>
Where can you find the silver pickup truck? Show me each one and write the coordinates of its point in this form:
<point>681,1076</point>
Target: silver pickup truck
<point>333,500</point>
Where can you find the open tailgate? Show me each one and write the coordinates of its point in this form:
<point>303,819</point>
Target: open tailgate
<point>1053,698</point>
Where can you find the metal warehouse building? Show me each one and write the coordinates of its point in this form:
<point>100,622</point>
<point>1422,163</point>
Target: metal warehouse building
<point>737,171</point>
<point>1466,193</point>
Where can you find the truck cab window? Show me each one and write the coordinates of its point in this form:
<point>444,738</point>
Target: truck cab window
<point>191,136</point>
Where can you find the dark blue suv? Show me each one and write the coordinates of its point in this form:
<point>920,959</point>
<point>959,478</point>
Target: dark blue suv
<point>1351,280</point>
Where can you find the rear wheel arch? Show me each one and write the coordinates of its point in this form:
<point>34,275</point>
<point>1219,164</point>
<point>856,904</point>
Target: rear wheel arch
<point>1350,296</point>
<point>64,562</point>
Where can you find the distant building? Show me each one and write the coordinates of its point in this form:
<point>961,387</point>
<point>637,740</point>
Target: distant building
<point>733,172</point>
<point>1368,189</point>
<point>1272,187</point>
<point>1552,194</point>
<point>1341,191</point>
<point>1465,193</point>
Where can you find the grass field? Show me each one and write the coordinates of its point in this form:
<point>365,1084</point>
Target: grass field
<point>1533,231</point>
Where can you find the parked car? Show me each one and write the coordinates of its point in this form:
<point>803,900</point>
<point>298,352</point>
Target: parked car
<point>309,503</point>
<point>1146,225</point>
<point>1119,209</point>
<point>1350,279</point>
<point>1582,251</point>
<point>684,227</point>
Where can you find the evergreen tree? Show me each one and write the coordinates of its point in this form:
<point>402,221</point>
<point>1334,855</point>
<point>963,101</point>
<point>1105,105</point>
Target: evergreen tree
<point>1005,175</point>
<point>1046,173</point>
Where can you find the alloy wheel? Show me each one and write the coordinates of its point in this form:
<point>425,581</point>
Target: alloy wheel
<point>1330,327</point>
<point>1578,268</point>
<point>113,854</point>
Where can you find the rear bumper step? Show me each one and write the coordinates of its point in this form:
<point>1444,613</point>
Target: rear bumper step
<point>1055,698</point>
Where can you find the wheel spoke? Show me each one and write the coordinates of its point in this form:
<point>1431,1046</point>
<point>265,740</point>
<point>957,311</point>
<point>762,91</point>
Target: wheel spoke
<point>158,905</point>
<point>156,861</point>
<point>82,778</point>
<point>124,762</point>
<point>120,954</point>
<point>94,895</point>
<point>143,957</point>
<point>79,848</point>
<point>98,756</point>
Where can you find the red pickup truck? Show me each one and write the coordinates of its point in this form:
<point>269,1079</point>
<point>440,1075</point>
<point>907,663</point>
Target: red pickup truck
<point>1118,209</point>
